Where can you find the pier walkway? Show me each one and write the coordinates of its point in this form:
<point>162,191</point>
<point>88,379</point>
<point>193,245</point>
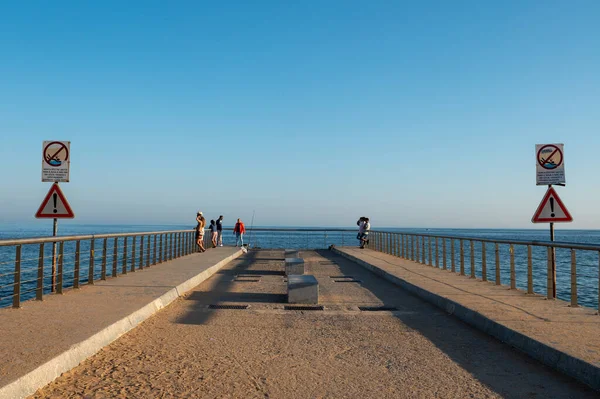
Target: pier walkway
<point>202,346</point>
<point>44,337</point>
<point>565,338</point>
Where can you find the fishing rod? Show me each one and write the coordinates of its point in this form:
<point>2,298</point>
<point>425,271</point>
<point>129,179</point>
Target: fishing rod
<point>251,230</point>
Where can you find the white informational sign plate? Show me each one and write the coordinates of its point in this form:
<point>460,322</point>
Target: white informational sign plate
<point>56,159</point>
<point>550,164</point>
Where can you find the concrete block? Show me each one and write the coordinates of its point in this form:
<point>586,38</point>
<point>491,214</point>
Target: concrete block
<point>294,266</point>
<point>292,253</point>
<point>303,289</point>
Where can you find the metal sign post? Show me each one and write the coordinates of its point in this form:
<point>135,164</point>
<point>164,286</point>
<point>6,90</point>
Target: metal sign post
<point>56,162</point>
<point>550,170</point>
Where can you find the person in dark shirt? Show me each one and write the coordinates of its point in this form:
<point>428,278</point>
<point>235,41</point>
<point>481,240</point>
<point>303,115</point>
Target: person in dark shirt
<point>213,233</point>
<point>220,230</point>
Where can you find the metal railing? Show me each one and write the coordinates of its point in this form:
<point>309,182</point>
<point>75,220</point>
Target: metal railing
<point>533,266</point>
<point>30,269</point>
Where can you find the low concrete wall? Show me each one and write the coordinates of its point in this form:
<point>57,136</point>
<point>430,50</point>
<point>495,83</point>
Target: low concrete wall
<point>48,372</point>
<point>583,371</point>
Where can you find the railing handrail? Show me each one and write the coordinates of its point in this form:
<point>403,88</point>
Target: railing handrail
<point>551,244</point>
<point>49,239</point>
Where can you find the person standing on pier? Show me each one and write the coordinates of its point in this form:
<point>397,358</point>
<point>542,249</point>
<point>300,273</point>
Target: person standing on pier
<point>364,238</point>
<point>220,230</point>
<point>213,233</point>
<point>239,231</point>
<point>200,231</point>
<point>360,223</point>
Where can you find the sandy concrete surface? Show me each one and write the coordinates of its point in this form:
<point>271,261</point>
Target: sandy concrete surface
<point>574,331</point>
<point>39,331</point>
<point>413,351</point>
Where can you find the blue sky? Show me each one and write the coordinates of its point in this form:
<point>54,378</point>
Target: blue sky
<point>417,114</point>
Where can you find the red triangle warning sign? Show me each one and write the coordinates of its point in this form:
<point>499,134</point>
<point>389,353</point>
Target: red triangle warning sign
<point>551,209</point>
<point>55,205</point>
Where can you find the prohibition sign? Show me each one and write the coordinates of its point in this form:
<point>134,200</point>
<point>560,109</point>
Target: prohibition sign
<point>51,158</point>
<point>550,162</point>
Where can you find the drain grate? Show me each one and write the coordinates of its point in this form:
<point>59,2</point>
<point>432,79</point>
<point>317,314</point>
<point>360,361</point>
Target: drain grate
<point>246,280</point>
<point>303,307</point>
<point>240,307</point>
<point>377,308</point>
<point>344,279</point>
<point>254,276</point>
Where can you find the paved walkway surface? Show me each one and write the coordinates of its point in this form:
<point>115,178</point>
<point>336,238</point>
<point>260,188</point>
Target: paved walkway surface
<point>40,331</point>
<point>575,331</point>
<point>191,350</point>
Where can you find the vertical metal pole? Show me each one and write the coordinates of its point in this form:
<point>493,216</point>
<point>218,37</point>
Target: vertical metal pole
<point>444,251</point>
<point>17,279</point>
<point>76,269</point>
<point>553,261</point>
<point>104,247</point>
<point>472,259</point>
<point>148,252</point>
<point>39,292</point>
<point>513,276</point>
<point>124,271</point>
<point>141,262</point>
<point>115,256</point>
<point>401,245</point>
<point>54,232</point>
<point>529,271</point>
<point>483,262</point>
<point>497,249</point>
<point>452,249</point>
<point>437,253</point>
<point>549,285</point>
<point>160,252</point>
<point>573,279</point>
<point>91,264</point>
<point>423,246</point>
<point>430,257</point>
<point>61,256</point>
<point>133,254</point>
<point>154,255</point>
<point>462,258</point>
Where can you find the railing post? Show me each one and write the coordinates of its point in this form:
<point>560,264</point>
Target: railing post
<point>141,262</point>
<point>160,252</point>
<point>444,251</point>
<point>133,254</point>
<point>115,272</point>
<point>437,253</point>
<point>103,272</point>
<point>76,268</point>
<point>472,259</point>
<point>529,271</point>
<point>170,253</point>
<point>462,258</point>
<point>17,278</point>
<point>483,262</point>
<point>402,245</point>
<point>39,292</point>
<point>513,276</point>
<point>124,271</point>
<point>573,279</point>
<point>498,280</point>
<point>549,285</point>
<point>148,252</point>
<point>452,250</point>
<point>423,248</point>
<point>155,247</point>
<point>91,264</point>
<point>418,260</point>
<point>430,256</point>
<point>61,255</point>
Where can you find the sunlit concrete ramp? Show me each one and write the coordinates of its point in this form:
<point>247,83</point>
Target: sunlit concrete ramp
<point>44,339</point>
<point>235,335</point>
<point>564,338</point>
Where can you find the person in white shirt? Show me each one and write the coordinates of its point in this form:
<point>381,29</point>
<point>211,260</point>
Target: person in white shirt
<point>364,237</point>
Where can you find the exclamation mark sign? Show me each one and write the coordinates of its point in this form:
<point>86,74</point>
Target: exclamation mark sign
<point>551,206</point>
<point>55,197</point>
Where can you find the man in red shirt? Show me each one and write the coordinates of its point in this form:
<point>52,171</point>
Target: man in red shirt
<point>239,231</point>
